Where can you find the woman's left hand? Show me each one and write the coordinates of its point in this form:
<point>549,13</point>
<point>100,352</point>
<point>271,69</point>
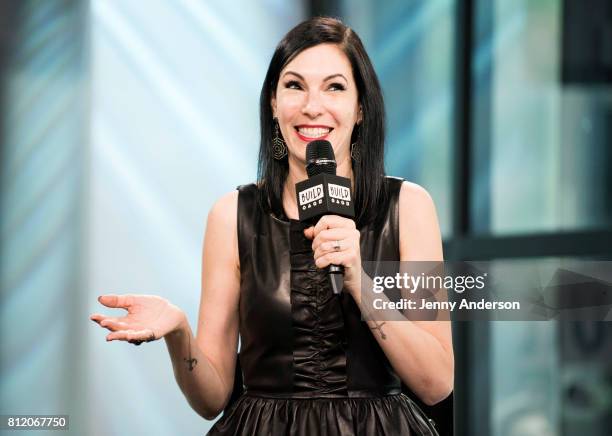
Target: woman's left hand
<point>336,241</point>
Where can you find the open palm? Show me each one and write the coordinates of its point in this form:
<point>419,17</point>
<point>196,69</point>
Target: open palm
<point>149,317</point>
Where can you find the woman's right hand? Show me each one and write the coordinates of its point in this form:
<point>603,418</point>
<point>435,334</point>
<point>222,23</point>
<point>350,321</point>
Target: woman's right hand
<point>148,318</point>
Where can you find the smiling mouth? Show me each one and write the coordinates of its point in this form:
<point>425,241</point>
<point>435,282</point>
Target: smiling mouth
<point>312,133</point>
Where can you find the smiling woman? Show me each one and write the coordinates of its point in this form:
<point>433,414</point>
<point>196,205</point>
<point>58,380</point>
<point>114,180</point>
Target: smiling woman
<point>311,94</point>
<point>320,77</point>
<point>316,98</point>
<point>310,364</point>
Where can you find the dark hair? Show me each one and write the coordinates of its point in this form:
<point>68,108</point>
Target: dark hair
<point>369,170</point>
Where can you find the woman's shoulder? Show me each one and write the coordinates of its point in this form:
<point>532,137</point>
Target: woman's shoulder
<point>225,208</point>
<point>415,204</point>
<point>414,201</point>
<point>409,193</point>
<point>245,196</point>
<point>228,202</point>
<point>413,193</point>
<point>419,228</point>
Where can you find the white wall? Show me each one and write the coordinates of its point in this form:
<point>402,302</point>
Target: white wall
<point>174,125</point>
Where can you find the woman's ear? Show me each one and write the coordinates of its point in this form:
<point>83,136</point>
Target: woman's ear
<point>273,106</point>
<point>359,116</point>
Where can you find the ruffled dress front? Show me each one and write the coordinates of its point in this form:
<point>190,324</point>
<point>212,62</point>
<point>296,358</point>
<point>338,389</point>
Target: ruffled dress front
<point>309,364</point>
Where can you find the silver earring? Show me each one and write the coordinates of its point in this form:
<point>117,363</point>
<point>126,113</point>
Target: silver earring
<point>279,148</point>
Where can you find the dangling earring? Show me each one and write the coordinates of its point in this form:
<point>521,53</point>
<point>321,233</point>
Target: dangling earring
<point>355,154</point>
<point>279,148</point>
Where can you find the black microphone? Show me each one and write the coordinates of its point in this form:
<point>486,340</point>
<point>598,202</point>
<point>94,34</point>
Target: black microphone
<point>324,193</point>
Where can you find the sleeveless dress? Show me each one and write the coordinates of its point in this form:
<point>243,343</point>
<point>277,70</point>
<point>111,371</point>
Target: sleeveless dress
<point>310,365</point>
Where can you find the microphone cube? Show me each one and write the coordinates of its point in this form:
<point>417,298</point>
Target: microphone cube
<point>324,194</point>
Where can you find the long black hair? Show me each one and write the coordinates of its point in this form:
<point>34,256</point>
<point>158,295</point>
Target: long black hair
<point>369,170</point>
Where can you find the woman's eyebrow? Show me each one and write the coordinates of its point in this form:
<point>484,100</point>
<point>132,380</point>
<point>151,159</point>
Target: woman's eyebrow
<point>331,76</point>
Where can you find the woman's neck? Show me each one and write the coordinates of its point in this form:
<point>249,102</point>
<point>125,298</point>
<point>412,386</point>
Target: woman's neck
<point>297,173</point>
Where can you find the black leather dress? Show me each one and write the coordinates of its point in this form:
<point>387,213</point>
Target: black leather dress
<point>310,366</point>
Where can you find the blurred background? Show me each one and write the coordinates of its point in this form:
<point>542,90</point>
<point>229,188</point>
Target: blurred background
<point>121,122</point>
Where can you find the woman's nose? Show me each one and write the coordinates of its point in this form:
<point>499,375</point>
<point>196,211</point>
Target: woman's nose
<point>312,106</point>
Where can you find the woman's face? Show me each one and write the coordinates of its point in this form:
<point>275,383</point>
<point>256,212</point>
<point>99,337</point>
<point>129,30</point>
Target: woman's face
<point>316,98</point>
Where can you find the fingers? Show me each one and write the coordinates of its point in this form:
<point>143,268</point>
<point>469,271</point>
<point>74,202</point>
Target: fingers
<point>335,241</point>
<point>309,232</point>
<point>329,222</point>
<point>331,246</point>
<point>120,329</point>
<point>114,326</point>
<point>333,221</point>
<point>335,234</point>
<point>97,317</point>
<point>132,336</point>
<point>348,259</point>
<point>110,323</point>
<point>337,245</point>
<point>116,301</point>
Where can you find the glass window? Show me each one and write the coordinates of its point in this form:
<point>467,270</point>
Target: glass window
<point>541,138</point>
<point>411,46</point>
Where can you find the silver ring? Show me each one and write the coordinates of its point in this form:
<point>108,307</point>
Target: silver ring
<point>336,245</point>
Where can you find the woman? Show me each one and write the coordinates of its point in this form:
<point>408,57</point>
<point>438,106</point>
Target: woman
<point>310,364</point>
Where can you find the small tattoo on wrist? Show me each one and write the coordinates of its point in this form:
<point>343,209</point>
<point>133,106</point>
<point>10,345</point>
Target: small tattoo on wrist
<point>379,328</point>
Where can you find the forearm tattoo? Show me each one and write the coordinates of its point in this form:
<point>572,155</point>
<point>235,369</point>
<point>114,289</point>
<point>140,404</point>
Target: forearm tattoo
<point>379,328</point>
<point>191,362</point>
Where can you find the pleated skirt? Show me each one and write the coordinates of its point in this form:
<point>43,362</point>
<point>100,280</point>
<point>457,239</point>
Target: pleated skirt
<point>390,415</point>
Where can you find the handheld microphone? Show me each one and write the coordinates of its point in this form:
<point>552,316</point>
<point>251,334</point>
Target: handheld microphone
<point>324,193</point>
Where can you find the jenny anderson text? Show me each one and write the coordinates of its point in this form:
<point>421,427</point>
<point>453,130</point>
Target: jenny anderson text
<point>423,304</point>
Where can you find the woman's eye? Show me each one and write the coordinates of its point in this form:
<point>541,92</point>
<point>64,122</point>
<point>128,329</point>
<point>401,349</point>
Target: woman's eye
<point>292,85</point>
<point>337,87</point>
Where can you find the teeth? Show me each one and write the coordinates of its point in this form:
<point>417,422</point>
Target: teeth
<point>313,132</point>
